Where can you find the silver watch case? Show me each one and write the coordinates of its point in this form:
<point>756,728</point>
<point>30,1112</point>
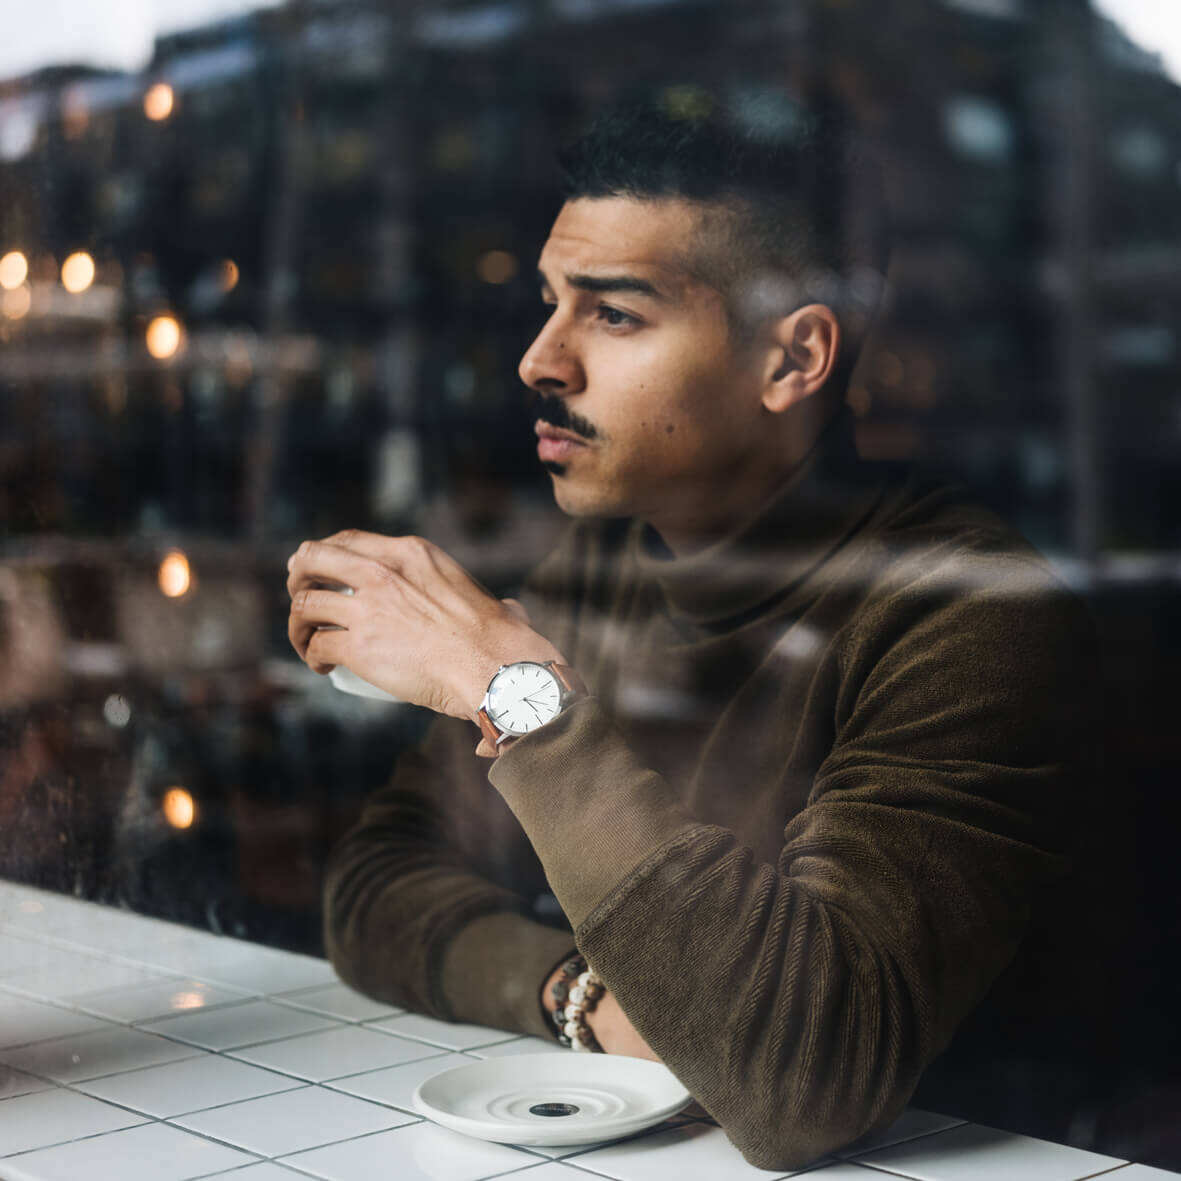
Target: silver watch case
<point>504,725</point>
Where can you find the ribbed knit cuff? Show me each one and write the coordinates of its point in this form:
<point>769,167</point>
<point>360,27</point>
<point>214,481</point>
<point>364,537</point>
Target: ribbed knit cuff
<point>589,807</point>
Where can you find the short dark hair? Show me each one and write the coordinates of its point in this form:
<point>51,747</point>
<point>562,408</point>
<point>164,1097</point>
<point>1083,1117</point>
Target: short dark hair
<point>772,176</point>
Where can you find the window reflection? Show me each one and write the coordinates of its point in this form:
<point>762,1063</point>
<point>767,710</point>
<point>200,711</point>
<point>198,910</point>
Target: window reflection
<point>275,280</point>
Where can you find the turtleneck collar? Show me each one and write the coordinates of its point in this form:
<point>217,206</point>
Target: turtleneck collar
<point>770,553</point>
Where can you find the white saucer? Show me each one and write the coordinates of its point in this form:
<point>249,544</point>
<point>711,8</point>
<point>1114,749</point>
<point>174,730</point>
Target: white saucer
<point>505,1099</point>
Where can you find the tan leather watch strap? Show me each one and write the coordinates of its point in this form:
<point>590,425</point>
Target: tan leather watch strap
<point>569,678</point>
<point>490,732</point>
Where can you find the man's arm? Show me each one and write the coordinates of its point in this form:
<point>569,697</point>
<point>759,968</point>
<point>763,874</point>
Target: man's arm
<point>428,901</point>
<point>800,1001</point>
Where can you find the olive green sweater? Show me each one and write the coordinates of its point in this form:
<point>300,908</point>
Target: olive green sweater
<point>827,769</point>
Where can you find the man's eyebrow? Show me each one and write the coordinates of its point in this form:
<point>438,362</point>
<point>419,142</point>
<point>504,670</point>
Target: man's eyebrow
<point>606,284</point>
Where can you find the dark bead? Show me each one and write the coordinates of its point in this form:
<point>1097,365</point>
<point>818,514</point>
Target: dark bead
<point>558,1016</point>
<point>574,967</point>
<point>560,990</point>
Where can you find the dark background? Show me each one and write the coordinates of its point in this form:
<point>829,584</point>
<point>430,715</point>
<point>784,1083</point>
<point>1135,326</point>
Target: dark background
<point>381,179</point>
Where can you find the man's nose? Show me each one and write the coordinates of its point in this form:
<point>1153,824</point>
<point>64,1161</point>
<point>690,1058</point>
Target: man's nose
<point>550,364</point>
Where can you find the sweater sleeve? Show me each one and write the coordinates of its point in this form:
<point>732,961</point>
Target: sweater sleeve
<point>427,902</point>
<point>800,1001</point>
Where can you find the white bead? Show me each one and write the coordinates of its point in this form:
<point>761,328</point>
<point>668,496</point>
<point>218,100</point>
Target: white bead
<point>585,978</point>
<point>577,994</point>
<point>570,1029</point>
<point>574,1012</point>
<point>579,1048</point>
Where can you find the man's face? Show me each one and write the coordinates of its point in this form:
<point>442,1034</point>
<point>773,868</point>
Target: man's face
<point>637,362</point>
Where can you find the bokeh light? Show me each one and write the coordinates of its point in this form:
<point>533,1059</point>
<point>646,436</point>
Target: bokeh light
<point>497,267</point>
<point>14,270</point>
<point>15,304</point>
<point>77,272</point>
<point>163,337</point>
<point>228,275</point>
<point>178,807</point>
<point>175,575</point>
<point>159,101</point>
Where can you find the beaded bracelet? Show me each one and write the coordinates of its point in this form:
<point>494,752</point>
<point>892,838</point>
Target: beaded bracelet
<point>577,993</point>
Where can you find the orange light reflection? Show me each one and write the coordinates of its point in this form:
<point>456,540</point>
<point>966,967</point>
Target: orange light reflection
<point>77,272</point>
<point>163,337</point>
<point>175,576</point>
<point>14,270</point>
<point>159,101</point>
<point>178,807</point>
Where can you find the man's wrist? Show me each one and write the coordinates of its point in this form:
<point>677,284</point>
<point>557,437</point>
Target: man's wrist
<point>571,993</point>
<point>531,647</point>
<point>548,1003</point>
<point>523,696</point>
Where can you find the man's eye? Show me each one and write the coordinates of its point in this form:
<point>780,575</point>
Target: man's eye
<point>614,317</point>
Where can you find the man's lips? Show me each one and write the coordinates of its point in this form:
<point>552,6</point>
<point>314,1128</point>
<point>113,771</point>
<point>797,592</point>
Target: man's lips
<point>555,444</point>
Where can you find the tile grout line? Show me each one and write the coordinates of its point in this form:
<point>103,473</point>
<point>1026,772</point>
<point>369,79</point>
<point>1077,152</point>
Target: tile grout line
<point>144,1117</point>
<point>201,1052</point>
<point>259,1159</point>
<point>880,1169</point>
<point>852,1158</point>
<point>167,1121</point>
<point>63,943</point>
<point>227,1052</point>
<point>367,1136</point>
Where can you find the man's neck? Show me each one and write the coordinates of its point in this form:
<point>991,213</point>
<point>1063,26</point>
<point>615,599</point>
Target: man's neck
<point>689,529</point>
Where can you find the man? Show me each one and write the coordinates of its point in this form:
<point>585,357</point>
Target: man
<point>805,757</point>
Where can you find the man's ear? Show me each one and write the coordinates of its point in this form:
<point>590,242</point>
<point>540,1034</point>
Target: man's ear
<point>806,347</point>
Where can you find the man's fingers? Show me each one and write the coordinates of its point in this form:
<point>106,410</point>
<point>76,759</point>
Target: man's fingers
<point>317,563</point>
<point>324,607</point>
<point>326,648</point>
<point>301,633</point>
<point>314,609</point>
<point>395,551</point>
<point>415,558</point>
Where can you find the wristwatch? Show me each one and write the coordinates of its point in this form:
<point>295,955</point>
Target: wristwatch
<point>524,696</point>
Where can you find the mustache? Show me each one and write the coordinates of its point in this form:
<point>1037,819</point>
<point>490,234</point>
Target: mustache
<point>553,410</point>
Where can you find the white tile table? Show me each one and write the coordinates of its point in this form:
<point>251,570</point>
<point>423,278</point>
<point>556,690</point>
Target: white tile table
<point>135,1050</point>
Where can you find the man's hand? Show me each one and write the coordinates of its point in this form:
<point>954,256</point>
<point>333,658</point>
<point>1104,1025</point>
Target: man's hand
<point>417,624</point>
<point>608,1022</point>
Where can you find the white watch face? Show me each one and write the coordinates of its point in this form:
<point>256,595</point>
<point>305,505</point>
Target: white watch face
<point>522,697</point>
